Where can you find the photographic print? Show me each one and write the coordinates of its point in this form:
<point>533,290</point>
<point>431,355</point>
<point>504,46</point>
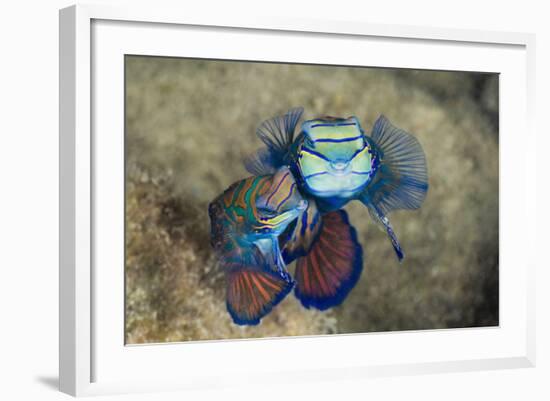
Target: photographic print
<point>274,199</point>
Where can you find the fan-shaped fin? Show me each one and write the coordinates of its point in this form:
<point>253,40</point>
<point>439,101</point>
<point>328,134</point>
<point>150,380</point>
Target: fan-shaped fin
<point>252,293</point>
<point>326,275</point>
<point>277,134</point>
<point>401,177</point>
<point>401,181</point>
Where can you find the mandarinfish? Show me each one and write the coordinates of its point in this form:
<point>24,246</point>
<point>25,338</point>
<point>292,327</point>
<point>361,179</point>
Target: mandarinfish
<point>335,162</point>
<point>246,221</point>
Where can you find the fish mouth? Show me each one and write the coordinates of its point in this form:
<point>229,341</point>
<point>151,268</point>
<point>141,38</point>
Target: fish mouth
<point>339,168</point>
<point>339,192</point>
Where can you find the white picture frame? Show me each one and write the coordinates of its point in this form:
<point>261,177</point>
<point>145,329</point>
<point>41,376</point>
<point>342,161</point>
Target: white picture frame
<point>93,357</point>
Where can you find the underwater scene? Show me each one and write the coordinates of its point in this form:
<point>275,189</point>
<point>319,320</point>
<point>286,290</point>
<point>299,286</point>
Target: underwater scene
<point>268,199</point>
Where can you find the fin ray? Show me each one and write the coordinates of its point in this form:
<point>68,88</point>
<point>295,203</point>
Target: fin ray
<point>401,181</point>
<point>252,292</point>
<point>326,275</point>
<point>277,134</point>
<point>260,163</point>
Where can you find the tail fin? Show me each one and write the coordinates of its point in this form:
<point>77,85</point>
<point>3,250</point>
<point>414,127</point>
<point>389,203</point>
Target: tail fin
<point>326,275</point>
<point>252,293</point>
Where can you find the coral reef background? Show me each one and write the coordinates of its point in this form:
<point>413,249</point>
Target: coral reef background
<point>190,122</point>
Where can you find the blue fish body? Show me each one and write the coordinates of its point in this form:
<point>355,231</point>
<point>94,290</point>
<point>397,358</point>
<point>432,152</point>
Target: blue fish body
<point>335,162</point>
<point>334,159</point>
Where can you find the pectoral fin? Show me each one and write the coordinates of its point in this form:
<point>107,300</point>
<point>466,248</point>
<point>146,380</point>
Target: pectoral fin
<point>277,134</point>
<point>401,179</point>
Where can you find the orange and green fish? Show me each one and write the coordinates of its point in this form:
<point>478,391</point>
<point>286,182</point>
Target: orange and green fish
<point>247,223</point>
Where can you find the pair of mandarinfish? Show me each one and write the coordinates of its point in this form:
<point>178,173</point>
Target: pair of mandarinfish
<point>291,209</point>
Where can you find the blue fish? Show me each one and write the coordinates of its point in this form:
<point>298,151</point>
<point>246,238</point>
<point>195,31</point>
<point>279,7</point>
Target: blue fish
<point>335,162</point>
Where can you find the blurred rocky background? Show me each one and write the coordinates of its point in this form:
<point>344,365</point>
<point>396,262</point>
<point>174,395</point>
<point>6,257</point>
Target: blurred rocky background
<point>189,123</point>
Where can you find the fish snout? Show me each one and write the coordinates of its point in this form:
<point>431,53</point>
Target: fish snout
<point>302,205</point>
